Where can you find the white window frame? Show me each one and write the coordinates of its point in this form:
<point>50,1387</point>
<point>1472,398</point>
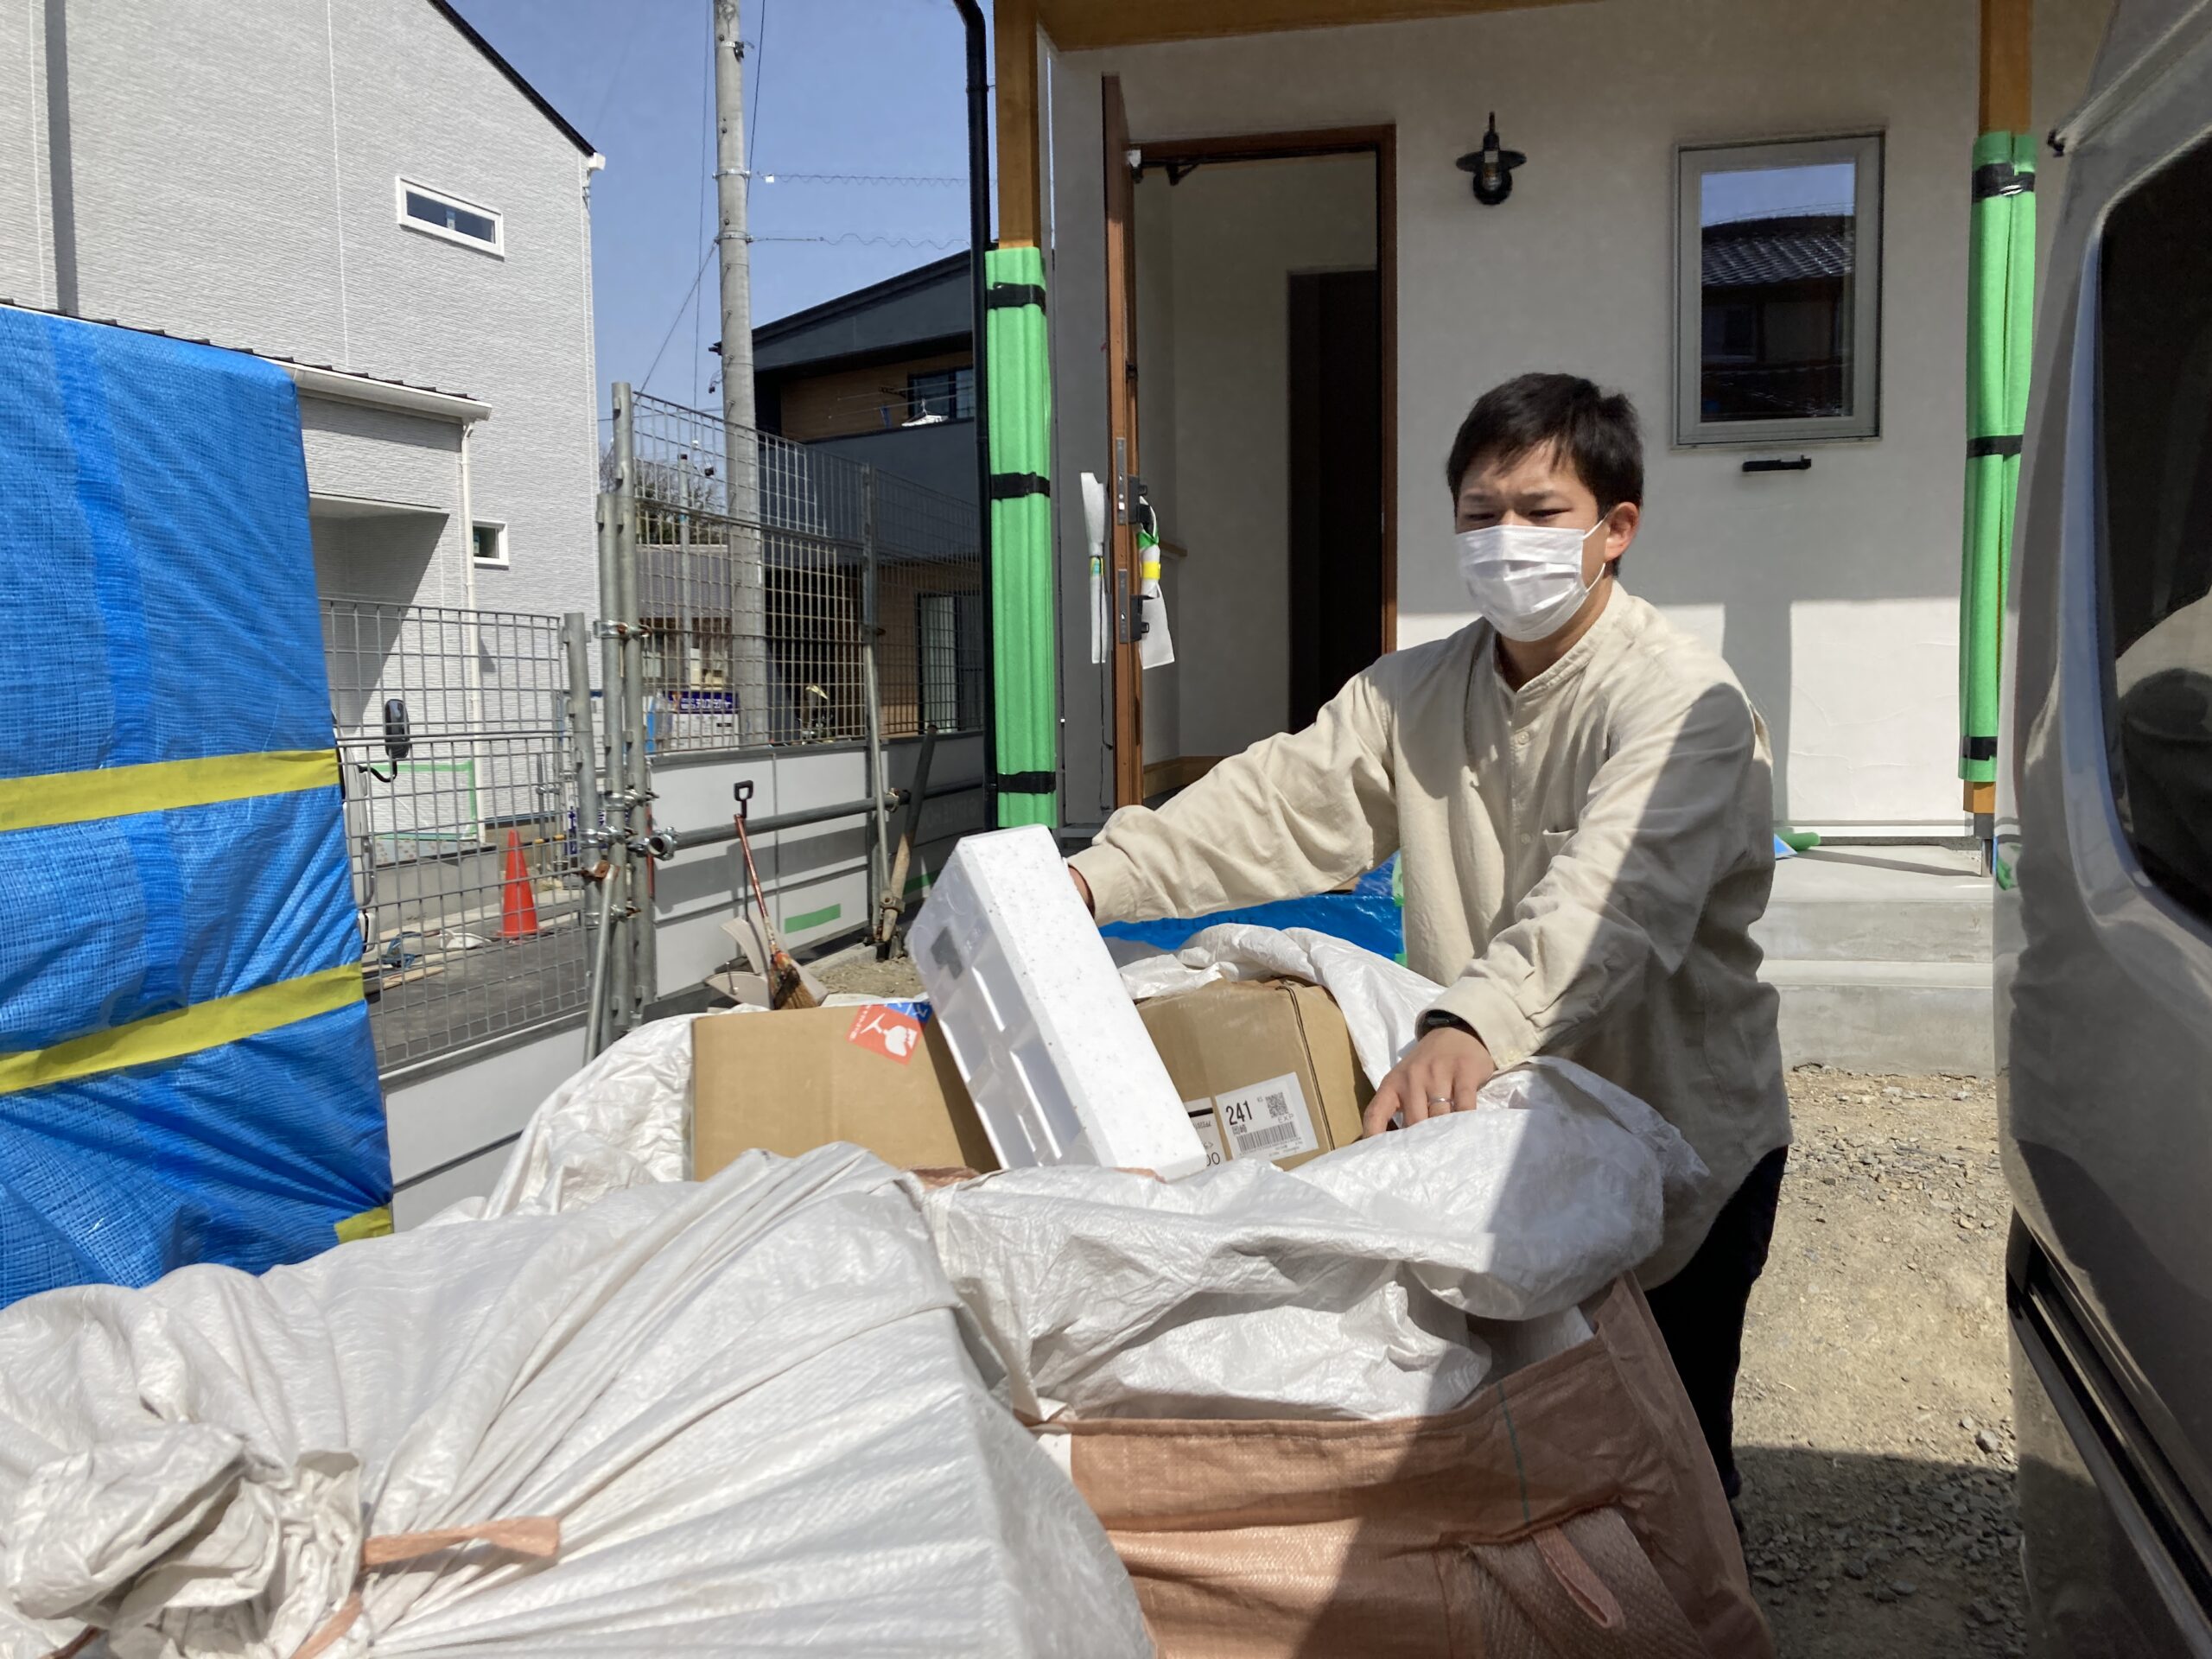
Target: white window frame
<point>499,560</point>
<point>1692,161</point>
<point>497,247</point>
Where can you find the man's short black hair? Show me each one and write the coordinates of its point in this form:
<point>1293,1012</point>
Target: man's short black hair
<point>1595,431</point>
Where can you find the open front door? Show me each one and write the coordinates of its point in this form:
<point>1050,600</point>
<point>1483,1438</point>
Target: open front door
<point>1122,568</point>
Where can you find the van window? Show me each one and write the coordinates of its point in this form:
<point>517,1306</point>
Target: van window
<point>2154,375</point>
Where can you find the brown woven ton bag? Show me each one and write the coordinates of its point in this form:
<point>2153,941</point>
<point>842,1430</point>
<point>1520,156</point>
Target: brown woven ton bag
<point>1570,1508</point>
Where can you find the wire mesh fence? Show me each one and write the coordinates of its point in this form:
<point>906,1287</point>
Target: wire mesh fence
<point>461,821</point>
<point>755,591</point>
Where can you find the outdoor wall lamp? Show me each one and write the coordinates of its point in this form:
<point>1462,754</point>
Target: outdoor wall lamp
<point>1492,166</point>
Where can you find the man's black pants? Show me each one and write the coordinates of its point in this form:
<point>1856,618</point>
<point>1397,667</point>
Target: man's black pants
<point>1700,1309</point>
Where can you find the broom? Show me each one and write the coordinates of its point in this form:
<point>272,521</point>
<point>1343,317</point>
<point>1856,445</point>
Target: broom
<point>786,985</point>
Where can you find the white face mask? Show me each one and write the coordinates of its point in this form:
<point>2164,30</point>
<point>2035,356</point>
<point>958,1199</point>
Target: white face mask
<point>1526,579</point>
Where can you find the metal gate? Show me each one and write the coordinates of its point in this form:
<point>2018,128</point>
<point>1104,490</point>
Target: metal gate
<point>457,762</point>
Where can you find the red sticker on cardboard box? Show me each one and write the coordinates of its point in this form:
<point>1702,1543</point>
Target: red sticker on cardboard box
<point>895,1035</point>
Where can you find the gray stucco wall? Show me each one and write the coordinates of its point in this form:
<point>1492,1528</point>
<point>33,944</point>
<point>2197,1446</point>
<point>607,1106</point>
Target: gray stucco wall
<point>232,171</point>
<point>376,454</point>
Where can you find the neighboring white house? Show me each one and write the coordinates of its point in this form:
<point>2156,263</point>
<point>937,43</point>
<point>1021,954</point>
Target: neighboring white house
<point>1801,170</point>
<point>361,185</point>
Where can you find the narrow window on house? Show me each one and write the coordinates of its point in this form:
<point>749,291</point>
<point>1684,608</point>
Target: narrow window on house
<point>1778,260</point>
<point>490,545</point>
<point>948,627</point>
<point>422,208</point>
<point>941,395</point>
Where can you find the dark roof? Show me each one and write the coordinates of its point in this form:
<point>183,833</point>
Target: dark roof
<point>1781,248</point>
<point>515,75</point>
<point>916,307</point>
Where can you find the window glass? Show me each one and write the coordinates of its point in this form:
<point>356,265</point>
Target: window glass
<point>949,628</point>
<point>451,216</point>
<point>1778,243</point>
<point>942,395</point>
<point>2154,416</point>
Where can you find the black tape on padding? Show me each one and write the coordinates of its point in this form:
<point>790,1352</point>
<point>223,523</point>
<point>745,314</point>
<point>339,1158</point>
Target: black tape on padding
<point>2002,179</point>
<point>1978,749</point>
<point>1012,297</point>
<point>2002,444</point>
<point>1029,782</point>
<point>1013,487</point>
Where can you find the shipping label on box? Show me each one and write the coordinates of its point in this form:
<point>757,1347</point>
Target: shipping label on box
<point>1209,1128</point>
<point>1265,1070</point>
<point>1267,1120</point>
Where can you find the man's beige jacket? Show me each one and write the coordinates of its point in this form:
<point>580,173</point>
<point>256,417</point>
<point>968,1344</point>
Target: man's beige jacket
<point>1583,861</point>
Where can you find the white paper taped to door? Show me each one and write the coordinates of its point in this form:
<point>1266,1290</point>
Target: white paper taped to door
<point>1094,518</point>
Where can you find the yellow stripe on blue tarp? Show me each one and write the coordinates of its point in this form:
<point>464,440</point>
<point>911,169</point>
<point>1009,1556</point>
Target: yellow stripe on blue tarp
<point>184,1031</point>
<point>59,798</point>
<point>370,1224</point>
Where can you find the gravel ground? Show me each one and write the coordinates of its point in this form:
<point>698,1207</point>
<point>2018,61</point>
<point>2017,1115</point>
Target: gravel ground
<point>1873,1420</point>
<point>1873,1425</point>
<point>859,971</point>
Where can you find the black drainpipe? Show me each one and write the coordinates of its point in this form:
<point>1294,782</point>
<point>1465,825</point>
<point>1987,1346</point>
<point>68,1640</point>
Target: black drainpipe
<point>979,238</point>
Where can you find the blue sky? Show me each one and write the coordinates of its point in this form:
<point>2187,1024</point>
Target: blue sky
<point>1758,191</point>
<point>837,87</point>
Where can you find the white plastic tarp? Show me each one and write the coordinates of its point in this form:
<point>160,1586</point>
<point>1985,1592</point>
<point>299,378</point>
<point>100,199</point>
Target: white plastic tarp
<point>1338,1289</point>
<point>1380,998</point>
<point>747,1402</point>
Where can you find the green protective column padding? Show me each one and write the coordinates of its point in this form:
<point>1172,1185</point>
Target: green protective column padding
<point>1023,643</point>
<point>2000,337</point>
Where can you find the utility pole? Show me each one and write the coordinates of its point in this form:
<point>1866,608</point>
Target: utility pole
<point>742,460</point>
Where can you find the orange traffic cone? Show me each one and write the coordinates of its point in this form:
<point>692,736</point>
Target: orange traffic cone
<point>518,904</point>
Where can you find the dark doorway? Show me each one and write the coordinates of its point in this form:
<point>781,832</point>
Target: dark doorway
<point>1335,484</point>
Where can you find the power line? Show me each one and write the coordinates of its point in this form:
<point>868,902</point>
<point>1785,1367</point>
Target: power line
<point>874,241</point>
<point>706,170</point>
<point>705,259</point>
<point>621,62</point>
<point>938,179</point>
<point>759,69</point>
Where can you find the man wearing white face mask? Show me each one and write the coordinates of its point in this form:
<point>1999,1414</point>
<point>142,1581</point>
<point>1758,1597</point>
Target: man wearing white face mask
<point>1582,798</point>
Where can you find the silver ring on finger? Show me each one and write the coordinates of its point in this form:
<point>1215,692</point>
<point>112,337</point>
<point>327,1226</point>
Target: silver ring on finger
<point>1440,1100</point>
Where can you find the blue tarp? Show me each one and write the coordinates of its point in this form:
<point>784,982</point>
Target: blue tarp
<point>159,594</point>
<point>1371,915</point>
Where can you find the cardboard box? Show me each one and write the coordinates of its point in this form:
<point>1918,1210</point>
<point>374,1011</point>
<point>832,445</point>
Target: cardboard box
<point>1265,1068</point>
<point>788,1082</point>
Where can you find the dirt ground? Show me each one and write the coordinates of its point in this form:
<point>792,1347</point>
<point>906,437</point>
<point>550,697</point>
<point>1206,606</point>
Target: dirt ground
<point>861,973</point>
<point>1873,1425</point>
<point>1873,1422</point>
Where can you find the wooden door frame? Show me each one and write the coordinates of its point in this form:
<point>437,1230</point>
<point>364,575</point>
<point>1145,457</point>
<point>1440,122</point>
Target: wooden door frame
<point>1124,462</point>
<point>1381,142</point>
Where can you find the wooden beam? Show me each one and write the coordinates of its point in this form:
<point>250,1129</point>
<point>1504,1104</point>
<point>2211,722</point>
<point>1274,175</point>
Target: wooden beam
<point>2007,42</point>
<point>1082,25</point>
<point>1013,29</point>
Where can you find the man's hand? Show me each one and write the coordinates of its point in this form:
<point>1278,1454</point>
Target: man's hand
<point>1082,889</point>
<point>1441,1073</point>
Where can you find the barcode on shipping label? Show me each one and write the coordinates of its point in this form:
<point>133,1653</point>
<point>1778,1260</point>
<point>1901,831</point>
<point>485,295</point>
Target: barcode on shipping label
<point>1267,1120</point>
<point>1209,1128</point>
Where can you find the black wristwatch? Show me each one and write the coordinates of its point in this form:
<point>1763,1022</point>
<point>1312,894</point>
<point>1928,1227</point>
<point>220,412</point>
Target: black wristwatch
<point>1438,1019</point>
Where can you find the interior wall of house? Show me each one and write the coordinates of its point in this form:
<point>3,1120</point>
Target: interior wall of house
<point>1833,592</point>
<point>1240,230</point>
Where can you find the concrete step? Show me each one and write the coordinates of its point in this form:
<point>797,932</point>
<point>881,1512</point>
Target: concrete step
<point>1887,1019</point>
<point>1881,905</point>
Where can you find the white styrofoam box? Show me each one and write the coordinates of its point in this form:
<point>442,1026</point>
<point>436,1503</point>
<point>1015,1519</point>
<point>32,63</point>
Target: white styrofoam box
<point>1053,1051</point>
